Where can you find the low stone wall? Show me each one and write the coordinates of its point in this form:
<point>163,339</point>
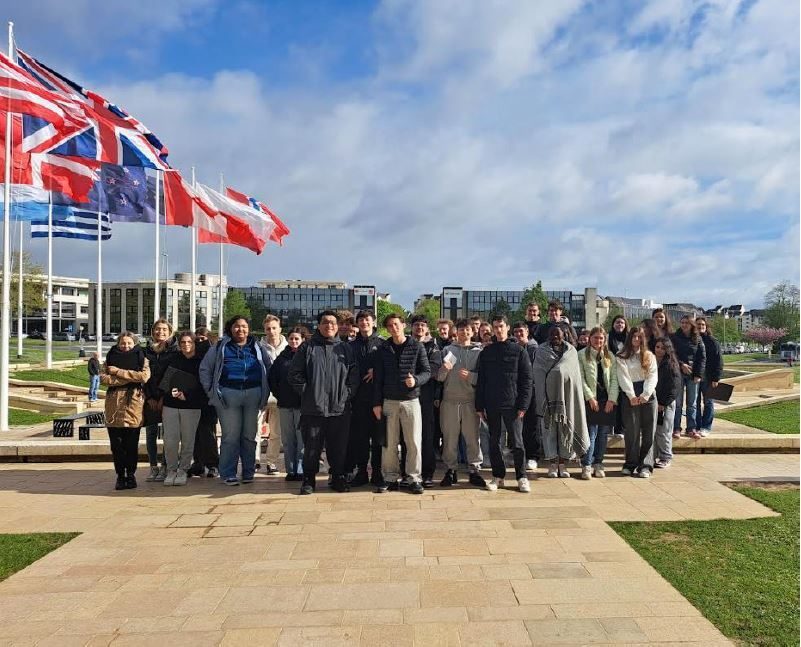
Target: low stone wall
<point>779,378</point>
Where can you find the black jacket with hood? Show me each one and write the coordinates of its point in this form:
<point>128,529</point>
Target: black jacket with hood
<point>690,352</point>
<point>391,370</point>
<point>714,358</point>
<point>505,377</point>
<point>365,350</point>
<point>286,396</point>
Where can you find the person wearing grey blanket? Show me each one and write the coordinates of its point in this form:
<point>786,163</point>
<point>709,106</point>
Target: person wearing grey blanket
<point>560,403</point>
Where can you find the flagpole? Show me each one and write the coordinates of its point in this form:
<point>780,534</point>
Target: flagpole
<point>99,290</point>
<point>19,290</point>
<point>157,294</point>
<point>192,308</point>
<point>5,306</point>
<point>49,317</point>
<point>221,299</point>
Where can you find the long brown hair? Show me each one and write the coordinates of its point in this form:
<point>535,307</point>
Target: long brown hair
<point>605,354</point>
<point>628,348</point>
<point>668,322</point>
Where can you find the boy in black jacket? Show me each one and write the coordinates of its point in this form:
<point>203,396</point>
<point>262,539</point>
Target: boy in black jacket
<point>401,369</point>
<point>503,393</point>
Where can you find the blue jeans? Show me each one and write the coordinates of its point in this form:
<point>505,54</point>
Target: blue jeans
<point>94,385</point>
<point>597,449</point>
<point>151,439</point>
<point>689,392</point>
<point>239,421</point>
<point>705,409</point>
<point>292,440</point>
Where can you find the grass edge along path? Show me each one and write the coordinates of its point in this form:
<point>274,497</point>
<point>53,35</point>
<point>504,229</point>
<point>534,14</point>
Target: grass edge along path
<point>777,417</point>
<point>74,376</point>
<point>23,417</point>
<point>742,574</point>
<point>20,551</point>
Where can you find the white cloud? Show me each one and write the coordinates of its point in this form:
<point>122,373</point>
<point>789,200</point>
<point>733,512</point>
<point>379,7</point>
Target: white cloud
<point>509,161</point>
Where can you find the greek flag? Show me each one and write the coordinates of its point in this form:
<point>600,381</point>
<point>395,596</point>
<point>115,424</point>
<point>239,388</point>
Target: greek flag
<point>69,222</point>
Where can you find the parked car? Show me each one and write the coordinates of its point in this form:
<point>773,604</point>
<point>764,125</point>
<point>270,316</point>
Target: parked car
<point>91,337</point>
<point>63,336</point>
<point>37,335</point>
<point>110,336</point>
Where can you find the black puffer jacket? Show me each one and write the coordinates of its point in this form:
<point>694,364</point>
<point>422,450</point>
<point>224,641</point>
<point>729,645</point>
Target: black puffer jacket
<point>365,350</point>
<point>196,397</point>
<point>158,364</point>
<point>668,385</point>
<point>432,390</point>
<point>505,377</point>
<point>714,359</point>
<point>324,373</point>
<point>391,371</point>
<point>690,352</point>
<point>280,387</point>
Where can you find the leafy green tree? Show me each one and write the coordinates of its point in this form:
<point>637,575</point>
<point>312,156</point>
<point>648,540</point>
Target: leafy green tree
<point>257,312</point>
<point>782,309</point>
<point>235,304</point>
<point>383,308</point>
<point>501,307</point>
<point>719,323</point>
<point>34,285</point>
<point>430,309</point>
<point>536,294</point>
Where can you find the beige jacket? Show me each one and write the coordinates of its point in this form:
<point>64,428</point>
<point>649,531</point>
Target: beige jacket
<point>124,407</point>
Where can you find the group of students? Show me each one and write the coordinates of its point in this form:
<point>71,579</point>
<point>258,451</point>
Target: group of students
<point>384,410</point>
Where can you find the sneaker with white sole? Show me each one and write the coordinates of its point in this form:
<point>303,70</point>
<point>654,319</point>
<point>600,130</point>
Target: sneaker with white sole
<point>553,471</point>
<point>626,471</point>
<point>180,478</point>
<point>644,474</point>
<point>154,472</point>
<point>212,473</point>
<point>598,471</point>
<point>704,432</point>
<point>169,479</point>
<point>586,472</point>
<point>162,474</point>
<point>523,485</point>
<point>662,463</point>
<point>494,484</point>
<point>531,465</point>
<point>231,480</point>
<point>563,473</point>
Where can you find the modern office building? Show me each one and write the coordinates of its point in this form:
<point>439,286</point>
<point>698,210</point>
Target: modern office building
<point>70,304</point>
<point>457,302</point>
<point>130,305</point>
<point>298,302</point>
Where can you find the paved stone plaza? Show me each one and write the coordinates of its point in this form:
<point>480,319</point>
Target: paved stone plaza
<point>259,565</point>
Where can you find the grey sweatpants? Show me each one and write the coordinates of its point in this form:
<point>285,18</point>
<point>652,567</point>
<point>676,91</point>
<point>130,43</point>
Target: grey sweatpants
<point>403,417</point>
<point>456,418</point>
<point>664,434</point>
<point>638,434</point>
<point>180,426</point>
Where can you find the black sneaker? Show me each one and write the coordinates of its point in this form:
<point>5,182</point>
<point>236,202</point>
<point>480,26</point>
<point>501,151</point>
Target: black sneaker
<point>307,487</point>
<point>477,480</point>
<point>195,469</point>
<point>448,479</point>
<point>360,478</point>
<point>381,487</point>
<point>377,478</point>
<point>340,484</point>
<point>121,484</point>
<point>428,482</point>
<point>130,483</point>
<point>416,488</point>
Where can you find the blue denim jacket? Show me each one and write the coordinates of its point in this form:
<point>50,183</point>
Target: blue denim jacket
<point>212,366</point>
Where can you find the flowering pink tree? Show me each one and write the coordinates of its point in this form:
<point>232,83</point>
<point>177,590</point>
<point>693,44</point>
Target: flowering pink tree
<point>765,335</point>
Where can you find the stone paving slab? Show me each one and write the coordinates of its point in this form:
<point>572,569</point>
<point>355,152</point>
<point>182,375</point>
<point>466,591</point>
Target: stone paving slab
<point>215,565</point>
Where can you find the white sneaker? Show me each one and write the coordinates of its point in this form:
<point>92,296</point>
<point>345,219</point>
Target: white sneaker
<point>704,432</point>
<point>154,472</point>
<point>162,474</point>
<point>626,471</point>
<point>180,478</point>
<point>563,473</point>
<point>586,473</point>
<point>553,471</point>
<point>531,465</point>
<point>598,472</point>
<point>169,479</point>
<point>523,485</point>
<point>644,474</point>
<point>494,484</point>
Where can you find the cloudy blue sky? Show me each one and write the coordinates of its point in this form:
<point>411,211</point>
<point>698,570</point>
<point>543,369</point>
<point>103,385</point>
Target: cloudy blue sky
<point>646,147</point>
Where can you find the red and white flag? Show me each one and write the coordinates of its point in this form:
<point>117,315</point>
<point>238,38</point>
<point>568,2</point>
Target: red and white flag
<point>279,230</point>
<point>245,226</point>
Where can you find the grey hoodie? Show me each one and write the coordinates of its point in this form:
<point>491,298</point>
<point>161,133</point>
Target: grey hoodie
<point>455,389</point>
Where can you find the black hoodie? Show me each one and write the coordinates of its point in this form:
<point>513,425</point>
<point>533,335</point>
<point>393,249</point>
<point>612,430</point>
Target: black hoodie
<point>280,387</point>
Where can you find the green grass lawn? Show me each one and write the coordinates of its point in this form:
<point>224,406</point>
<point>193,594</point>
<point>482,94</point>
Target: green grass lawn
<point>741,574</point>
<point>745,357</point>
<point>34,351</point>
<point>778,418</point>
<point>74,375</point>
<point>19,551</point>
<point>19,417</point>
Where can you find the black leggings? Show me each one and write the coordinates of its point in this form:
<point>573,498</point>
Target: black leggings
<point>125,449</point>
